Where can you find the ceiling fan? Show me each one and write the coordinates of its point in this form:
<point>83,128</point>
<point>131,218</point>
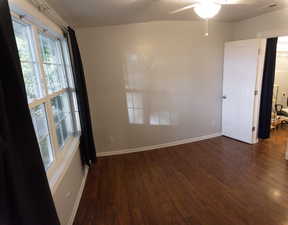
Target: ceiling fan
<point>206,9</point>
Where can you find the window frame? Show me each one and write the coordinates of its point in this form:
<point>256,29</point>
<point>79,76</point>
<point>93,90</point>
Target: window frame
<point>61,154</point>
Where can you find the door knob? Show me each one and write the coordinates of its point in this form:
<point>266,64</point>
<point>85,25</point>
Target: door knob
<point>224,97</point>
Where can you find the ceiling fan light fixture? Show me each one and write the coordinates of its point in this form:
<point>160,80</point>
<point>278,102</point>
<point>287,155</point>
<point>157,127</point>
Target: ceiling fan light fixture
<point>207,9</point>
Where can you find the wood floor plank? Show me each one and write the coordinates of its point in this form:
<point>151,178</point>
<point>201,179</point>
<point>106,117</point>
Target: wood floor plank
<point>213,182</point>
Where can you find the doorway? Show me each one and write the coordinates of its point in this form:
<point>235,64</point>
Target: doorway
<point>255,89</point>
<point>279,111</point>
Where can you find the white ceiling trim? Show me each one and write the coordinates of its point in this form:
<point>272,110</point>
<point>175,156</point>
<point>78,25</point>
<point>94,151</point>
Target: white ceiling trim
<point>48,11</point>
<point>272,33</point>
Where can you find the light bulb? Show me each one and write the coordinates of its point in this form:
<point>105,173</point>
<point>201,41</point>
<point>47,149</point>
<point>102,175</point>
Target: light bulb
<point>207,9</point>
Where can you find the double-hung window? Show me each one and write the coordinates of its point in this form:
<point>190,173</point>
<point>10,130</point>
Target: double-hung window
<point>50,90</point>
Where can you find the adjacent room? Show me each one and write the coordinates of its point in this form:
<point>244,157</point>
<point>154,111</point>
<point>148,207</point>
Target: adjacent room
<point>278,84</point>
<point>144,112</point>
<point>280,100</point>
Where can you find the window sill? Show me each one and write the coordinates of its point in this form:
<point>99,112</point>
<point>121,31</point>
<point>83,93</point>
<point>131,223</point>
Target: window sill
<point>60,172</point>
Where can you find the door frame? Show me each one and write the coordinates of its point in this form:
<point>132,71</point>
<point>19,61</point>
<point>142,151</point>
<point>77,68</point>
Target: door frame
<point>258,88</point>
<point>265,35</point>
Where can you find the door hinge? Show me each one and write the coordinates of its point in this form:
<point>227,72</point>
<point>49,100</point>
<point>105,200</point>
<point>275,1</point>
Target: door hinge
<point>253,128</point>
<point>256,92</point>
<point>259,51</point>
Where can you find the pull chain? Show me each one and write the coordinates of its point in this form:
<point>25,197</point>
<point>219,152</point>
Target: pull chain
<point>206,28</point>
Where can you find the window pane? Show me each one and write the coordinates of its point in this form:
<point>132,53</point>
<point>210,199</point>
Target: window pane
<point>54,76</point>
<point>68,63</point>
<point>62,117</point>
<point>49,50</point>
<point>64,127</point>
<point>60,138</point>
<point>40,121</point>
<point>70,77</point>
<point>53,64</point>
<point>46,152</point>
<point>22,33</point>
<point>76,113</point>
<point>66,53</point>
<point>29,66</point>
<point>32,86</point>
<point>41,128</point>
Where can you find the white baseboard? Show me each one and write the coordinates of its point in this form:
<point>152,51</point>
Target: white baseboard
<point>152,147</point>
<point>78,198</point>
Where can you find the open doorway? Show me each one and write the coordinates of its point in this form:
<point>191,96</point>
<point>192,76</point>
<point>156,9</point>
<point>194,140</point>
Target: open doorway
<point>279,117</point>
<point>255,89</point>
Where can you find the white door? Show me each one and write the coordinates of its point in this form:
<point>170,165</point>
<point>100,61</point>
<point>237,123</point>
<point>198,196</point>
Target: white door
<point>242,78</point>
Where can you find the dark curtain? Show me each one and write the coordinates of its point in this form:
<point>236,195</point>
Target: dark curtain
<point>267,88</point>
<point>25,197</point>
<point>87,146</point>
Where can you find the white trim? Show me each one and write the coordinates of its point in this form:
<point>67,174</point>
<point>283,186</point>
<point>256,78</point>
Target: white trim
<point>152,147</point>
<point>20,14</point>
<point>258,88</point>
<point>272,33</point>
<point>43,8</point>
<point>58,175</point>
<point>47,10</point>
<point>78,198</point>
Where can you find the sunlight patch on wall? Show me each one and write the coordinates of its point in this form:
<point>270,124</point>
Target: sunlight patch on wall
<point>135,107</point>
<point>148,99</point>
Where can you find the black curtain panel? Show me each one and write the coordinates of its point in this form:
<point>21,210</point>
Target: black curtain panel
<point>267,88</point>
<point>25,197</point>
<point>87,146</point>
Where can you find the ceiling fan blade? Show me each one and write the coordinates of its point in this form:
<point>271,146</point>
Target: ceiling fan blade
<point>233,2</point>
<point>183,9</point>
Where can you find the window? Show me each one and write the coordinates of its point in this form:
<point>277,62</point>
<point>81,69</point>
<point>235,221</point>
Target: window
<point>50,90</point>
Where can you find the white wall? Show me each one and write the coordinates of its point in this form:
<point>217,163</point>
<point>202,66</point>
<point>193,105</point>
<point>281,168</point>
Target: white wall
<point>68,192</point>
<point>172,70</point>
<point>266,25</point>
<point>69,186</point>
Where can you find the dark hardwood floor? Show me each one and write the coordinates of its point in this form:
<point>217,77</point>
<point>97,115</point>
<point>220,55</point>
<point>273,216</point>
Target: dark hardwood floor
<point>214,182</point>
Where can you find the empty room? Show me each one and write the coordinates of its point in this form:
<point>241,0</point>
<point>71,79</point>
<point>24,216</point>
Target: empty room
<point>144,112</point>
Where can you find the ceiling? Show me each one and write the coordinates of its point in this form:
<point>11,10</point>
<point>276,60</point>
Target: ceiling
<point>87,13</point>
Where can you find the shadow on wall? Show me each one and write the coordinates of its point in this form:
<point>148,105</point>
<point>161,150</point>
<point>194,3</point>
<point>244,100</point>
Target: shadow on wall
<point>147,103</point>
